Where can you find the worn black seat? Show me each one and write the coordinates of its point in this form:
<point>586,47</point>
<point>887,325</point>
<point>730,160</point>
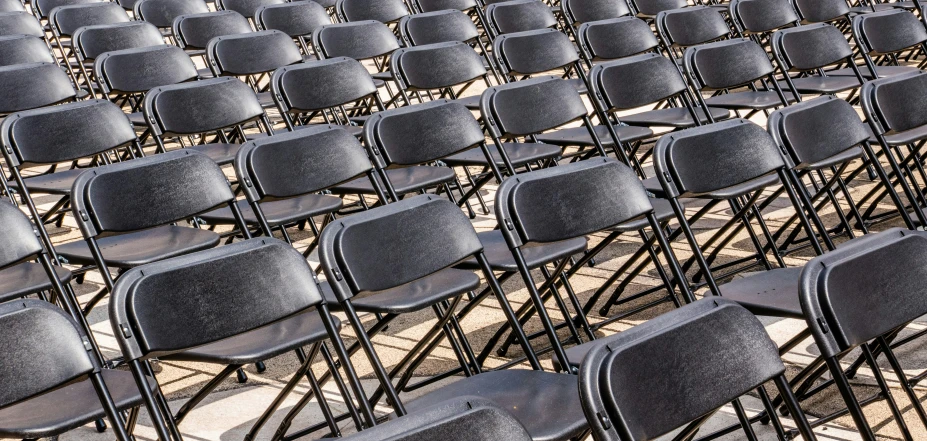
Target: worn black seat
<point>133,249</point>
<point>23,49</point>
<point>460,418</point>
<point>536,254</point>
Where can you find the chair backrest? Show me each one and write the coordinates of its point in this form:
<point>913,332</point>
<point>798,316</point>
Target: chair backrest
<point>651,8</point>
<point>44,7</point>
<point>141,69</point>
<point>727,64</point>
<point>436,66</point>
<point>20,23</point>
<point>360,40</point>
<point>723,348</point>
<point>67,19</point>
<point>19,236</point>
<point>856,293</point>
<point>64,133</point>
<point>888,32</point>
<point>810,47</point>
<point>299,162</point>
<point>200,106</point>
<point>818,129</point>
<point>635,81</point>
<point>533,52</point>
<point>426,6</point>
<point>252,53</point>
<point>531,106</point>
<point>818,11</point>
<point>162,13</point>
<point>29,86</point>
<point>30,366</point>
<point>188,301</point>
<point>691,26</point>
<point>895,104</point>
<point>148,192</point>
<point>321,84</point>
<point>437,27</point>
<point>92,41</point>
<point>11,6</point>
<point>616,38</point>
<point>584,11</point>
<point>702,160</point>
<point>421,133</point>
<point>569,201</point>
<point>759,16</point>
<point>395,244</point>
<point>383,11</point>
<point>246,8</point>
<point>23,49</point>
<point>296,19</point>
<point>460,419</point>
<point>519,16</point>
<point>195,30</point>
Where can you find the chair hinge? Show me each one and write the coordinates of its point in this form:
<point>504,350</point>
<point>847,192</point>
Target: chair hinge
<point>823,325</point>
<point>606,423</point>
<point>125,330</point>
<point>508,224</point>
<point>337,274</point>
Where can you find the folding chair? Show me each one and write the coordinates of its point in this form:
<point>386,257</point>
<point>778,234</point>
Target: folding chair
<point>41,8</point>
<point>680,29</point>
<point>615,38</point>
<point>23,49</point>
<point>11,6</point>
<point>443,27</point>
<point>235,304</point>
<point>89,42</point>
<point>630,393</point>
<point>283,177</point>
<point>439,68</point>
<point>731,64</point>
<point>881,37</point>
<point>297,19</point>
<point>20,23</point>
<point>252,57</point>
<point>162,13</point>
<point>518,16</point>
<point>760,17</point>
<point>211,114</point>
<point>805,51</point>
<point>360,256</point>
<point>861,297</point>
<point>578,12</point>
<point>893,109</point>
<point>30,86</point>
<point>648,9</point>
<point>126,75</point>
<point>90,131</point>
<point>362,41</point>
<point>55,384</point>
<point>464,418</point>
<point>323,89</point>
<point>128,212</point>
<point>827,11</point>
<point>64,21</point>
<point>246,8</point>
<point>192,32</point>
<point>383,11</point>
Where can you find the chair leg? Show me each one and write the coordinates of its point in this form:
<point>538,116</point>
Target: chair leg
<point>855,411</point>
<point>883,387</point>
<point>905,383</point>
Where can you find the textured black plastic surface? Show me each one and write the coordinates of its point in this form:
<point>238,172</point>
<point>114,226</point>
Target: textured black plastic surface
<point>889,31</point>
<point>358,40</point>
<point>296,19</point>
<point>11,6</point>
<point>195,30</point>
<point>67,19</point>
<point>139,70</point>
<point>162,13</point>
<point>726,64</point>
<point>44,7</point>
<point>252,53</point>
<point>438,65</point>
<point>897,102</point>
<point>812,46</point>
<point>651,8</point>
<point>23,49</point>
<point>815,130</point>
<point>20,23</point>
<point>816,11</point>
<point>461,419</point>
<point>95,40</point>
<point>532,106</point>
<point>438,27</point>
<point>202,106</point>
<point>421,133</point>
<point>28,86</point>
<point>764,15</point>
<point>584,11</point>
<point>442,5</point>
<point>691,26</point>
<point>322,84</point>
<point>519,16</point>
<point>18,236</point>
<point>384,11</point>
<point>636,81</point>
<point>617,38</point>
<point>246,8</point>
<point>534,52</point>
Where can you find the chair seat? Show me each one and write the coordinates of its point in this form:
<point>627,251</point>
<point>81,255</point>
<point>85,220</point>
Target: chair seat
<point>266,99</point>
<point>28,278</point>
<point>262,343</point>
<point>405,180</point>
<point>141,247</point>
<point>519,153</point>
<point>51,183</point>
<point>536,254</point>
<point>470,102</point>
<point>546,404</point>
<point>138,119</point>
<point>418,294</point>
<point>578,84</point>
<point>773,293</point>
<point>67,408</point>
<point>661,208</point>
<point>839,158</point>
<point>279,212</point>
<point>882,71</point>
<point>748,100</point>
<point>677,117</point>
<point>356,131</point>
<point>907,136</point>
<point>382,76</point>
<point>579,136</point>
<point>220,153</point>
<point>819,84</point>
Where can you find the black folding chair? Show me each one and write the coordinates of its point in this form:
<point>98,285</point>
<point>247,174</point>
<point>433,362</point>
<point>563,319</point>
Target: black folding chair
<point>283,175</point>
<point>41,8</point>
<point>648,9</point>
<point>630,393</point>
<point>523,54</point>
<point>20,23</point>
<point>24,49</point>
<point>682,28</point>
<point>230,306</point>
<point>758,18</point>
<point>64,21</point>
<point>861,297</point>
<point>383,11</point>
<point>297,19</point>
<point>362,41</point>
<point>11,6</point>
<point>443,27</point>
<point>459,419</point>
<point>211,114</point>
<point>192,32</point>
<point>360,255</point>
<point>53,383</point>
<point>882,37</point>
<point>518,16</point>
<point>805,51</point>
<point>34,85</point>
<point>162,13</point>
<point>246,8</point>
<point>578,12</point>
<point>252,57</point>
<point>443,69</point>
<point>89,42</point>
<point>829,11</point>
<point>614,38</point>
